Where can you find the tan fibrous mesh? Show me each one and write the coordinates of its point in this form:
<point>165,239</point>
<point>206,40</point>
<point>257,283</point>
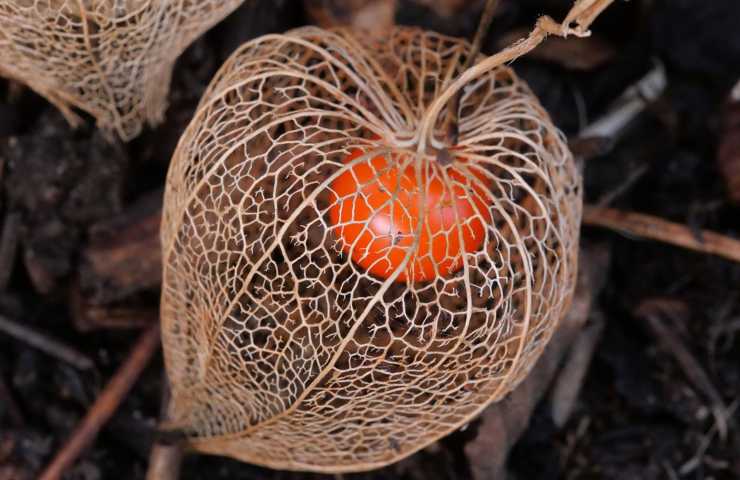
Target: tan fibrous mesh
<point>283,352</point>
<point>111,58</point>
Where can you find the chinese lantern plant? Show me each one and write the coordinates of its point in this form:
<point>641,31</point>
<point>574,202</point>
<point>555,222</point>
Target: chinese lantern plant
<point>343,286</point>
<point>112,59</point>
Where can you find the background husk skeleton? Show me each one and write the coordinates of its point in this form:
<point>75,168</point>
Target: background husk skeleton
<point>110,58</point>
<point>282,352</point>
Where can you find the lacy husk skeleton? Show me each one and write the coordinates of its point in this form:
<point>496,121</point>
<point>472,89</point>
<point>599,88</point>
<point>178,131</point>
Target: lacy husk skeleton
<point>110,58</point>
<point>283,352</point>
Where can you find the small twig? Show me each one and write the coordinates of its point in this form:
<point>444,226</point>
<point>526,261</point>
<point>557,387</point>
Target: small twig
<point>735,92</point>
<point>165,458</point>
<point>165,461</point>
<point>483,26</point>
<point>600,136</point>
<point>571,376</point>
<point>652,310</point>
<point>454,105</point>
<point>632,101</point>
<point>42,342</point>
<point>654,228</point>
<point>15,91</point>
<point>632,177</point>
<point>8,247</point>
<point>106,404</point>
<point>694,462</point>
<point>11,406</point>
<point>669,470</point>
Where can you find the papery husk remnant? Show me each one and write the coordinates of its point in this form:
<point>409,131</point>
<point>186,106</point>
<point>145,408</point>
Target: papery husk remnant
<point>110,58</point>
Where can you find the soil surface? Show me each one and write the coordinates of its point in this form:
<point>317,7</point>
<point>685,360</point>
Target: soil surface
<point>639,415</point>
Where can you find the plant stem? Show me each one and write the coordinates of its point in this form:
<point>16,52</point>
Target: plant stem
<point>583,13</point>
<point>486,18</point>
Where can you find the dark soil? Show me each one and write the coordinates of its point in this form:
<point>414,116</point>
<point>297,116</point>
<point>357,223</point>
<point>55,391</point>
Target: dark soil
<point>638,415</point>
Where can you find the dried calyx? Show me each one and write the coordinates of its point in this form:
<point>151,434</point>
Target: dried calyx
<point>282,347</point>
<point>110,58</point>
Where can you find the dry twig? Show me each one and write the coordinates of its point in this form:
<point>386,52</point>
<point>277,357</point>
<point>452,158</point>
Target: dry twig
<point>632,101</point>
<point>106,403</point>
<point>8,247</point>
<point>165,458</point>
<point>694,462</point>
<point>629,180</point>
<point>40,341</point>
<point>10,405</point>
<point>652,310</point>
<point>570,379</point>
<point>655,228</point>
<point>486,18</point>
<point>165,461</point>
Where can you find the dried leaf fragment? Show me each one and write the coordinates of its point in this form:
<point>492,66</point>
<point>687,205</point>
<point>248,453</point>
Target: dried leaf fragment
<point>448,8</point>
<point>371,15</point>
<point>112,59</point>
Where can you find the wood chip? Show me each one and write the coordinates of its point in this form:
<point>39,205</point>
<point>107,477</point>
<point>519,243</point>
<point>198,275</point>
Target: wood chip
<point>124,255</point>
<point>728,154</point>
<point>371,15</point>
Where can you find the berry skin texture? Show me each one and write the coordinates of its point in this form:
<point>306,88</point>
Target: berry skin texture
<point>375,213</point>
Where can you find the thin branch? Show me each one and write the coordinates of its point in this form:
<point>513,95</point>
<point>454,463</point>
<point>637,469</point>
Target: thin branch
<point>48,345</point>
<point>454,106</point>
<point>485,24</point>
<point>165,458</point>
<point>735,93</point>
<point>651,311</point>
<point>629,104</point>
<point>600,136</point>
<point>570,380</point>
<point>106,404</point>
<point>8,247</point>
<point>165,461</point>
<point>695,461</point>
<point>629,180</point>
<point>655,228</point>
<point>11,406</point>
